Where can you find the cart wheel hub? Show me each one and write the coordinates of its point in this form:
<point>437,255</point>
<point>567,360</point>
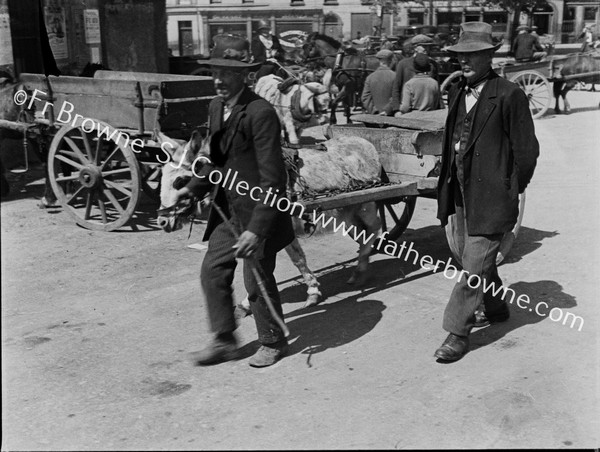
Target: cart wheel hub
<point>90,177</point>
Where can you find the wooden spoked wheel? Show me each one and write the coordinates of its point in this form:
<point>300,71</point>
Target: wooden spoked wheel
<point>94,175</point>
<point>537,89</point>
<point>395,215</point>
<point>455,234</point>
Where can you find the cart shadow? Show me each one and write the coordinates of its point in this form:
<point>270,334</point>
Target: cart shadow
<point>546,291</point>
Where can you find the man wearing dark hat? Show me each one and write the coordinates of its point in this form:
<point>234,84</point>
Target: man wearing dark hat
<point>266,49</point>
<point>245,143</point>
<point>421,92</point>
<point>405,69</point>
<point>489,155</point>
<point>527,47</point>
<point>377,92</point>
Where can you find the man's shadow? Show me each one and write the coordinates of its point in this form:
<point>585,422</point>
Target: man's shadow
<point>539,292</point>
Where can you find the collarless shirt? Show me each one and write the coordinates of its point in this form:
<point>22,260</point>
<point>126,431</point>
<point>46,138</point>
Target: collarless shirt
<point>228,105</point>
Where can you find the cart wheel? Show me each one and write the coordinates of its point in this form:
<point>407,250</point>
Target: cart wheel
<point>95,178</point>
<point>445,86</point>
<point>395,215</point>
<point>537,89</point>
<point>455,234</point>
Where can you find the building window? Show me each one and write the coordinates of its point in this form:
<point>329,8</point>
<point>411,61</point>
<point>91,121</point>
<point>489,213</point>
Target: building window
<point>247,1</point>
<point>297,2</point>
<point>330,2</point>
<point>186,39</point>
<point>214,1</point>
<point>589,14</point>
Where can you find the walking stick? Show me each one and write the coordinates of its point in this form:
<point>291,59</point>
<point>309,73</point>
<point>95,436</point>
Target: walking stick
<point>255,271</point>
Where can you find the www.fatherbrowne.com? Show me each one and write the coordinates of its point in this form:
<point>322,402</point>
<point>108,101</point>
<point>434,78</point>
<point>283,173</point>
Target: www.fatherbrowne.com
<point>230,182</point>
<point>450,271</point>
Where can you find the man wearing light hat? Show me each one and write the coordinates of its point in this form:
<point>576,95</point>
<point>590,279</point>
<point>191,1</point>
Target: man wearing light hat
<point>377,92</point>
<point>527,47</point>
<point>245,133</point>
<point>489,154</point>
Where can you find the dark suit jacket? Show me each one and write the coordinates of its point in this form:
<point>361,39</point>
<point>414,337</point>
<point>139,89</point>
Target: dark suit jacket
<point>525,45</point>
<point>499,161</point>
<point>249,144</point>
<point>405,70</point>
<point>259,51</point>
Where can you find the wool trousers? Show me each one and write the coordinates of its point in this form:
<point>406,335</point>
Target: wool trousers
<point>478,258</point>
<point>216,277</point>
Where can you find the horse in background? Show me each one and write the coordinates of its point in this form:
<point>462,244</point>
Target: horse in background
<point>349,70</point>
<point>575,68</point>
<point>298,105</point>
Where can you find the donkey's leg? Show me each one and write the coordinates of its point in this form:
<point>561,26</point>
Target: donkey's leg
<point>296,253</point>
<point>556,91</point>
<point>568,87</point>
<point>365,216</point>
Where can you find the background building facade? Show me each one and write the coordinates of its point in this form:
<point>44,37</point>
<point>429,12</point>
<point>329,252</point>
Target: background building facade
<point>193,23</point>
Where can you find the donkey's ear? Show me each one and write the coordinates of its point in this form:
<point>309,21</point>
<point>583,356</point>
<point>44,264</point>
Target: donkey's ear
<point>162,138</point>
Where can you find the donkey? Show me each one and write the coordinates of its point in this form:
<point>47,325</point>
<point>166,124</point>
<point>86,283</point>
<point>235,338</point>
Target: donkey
<point>178,172</point>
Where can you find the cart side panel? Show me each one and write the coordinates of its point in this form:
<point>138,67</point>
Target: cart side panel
<point>185,105</point>
<point>406,155</point>
<point>110,101</point>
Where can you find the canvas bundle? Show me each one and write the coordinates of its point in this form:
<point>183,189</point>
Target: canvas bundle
<point>348,163</point>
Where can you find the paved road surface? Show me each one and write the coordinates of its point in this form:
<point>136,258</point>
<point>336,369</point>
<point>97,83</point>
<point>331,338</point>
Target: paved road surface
<point>96,328</point>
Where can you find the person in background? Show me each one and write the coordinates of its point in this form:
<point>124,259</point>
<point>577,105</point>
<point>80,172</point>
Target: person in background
<point>266,50</point>
<point>527,47</point>
<point>489,154</point>
<point>421,92</point>
<point>377,93</point>
<point>405,69</point>
<point>588,39</point>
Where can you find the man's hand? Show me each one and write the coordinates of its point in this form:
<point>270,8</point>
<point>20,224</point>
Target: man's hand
<point>246,244</point>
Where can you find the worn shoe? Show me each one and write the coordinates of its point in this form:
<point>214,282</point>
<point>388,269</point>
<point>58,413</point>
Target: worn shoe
<point>484,319</point>
<point>219,351</point>
<point>453,348</point>
<point>269,354</point>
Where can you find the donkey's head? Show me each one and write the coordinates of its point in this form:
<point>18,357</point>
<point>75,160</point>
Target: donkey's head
<point>172,215</point>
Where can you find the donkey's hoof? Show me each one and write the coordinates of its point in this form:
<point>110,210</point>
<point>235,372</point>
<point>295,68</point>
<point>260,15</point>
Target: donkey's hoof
<point>47,204</point>
<point>358,278</point>
<point>312,300</point>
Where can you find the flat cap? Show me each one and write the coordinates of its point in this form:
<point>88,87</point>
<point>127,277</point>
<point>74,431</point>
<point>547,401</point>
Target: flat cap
<point>384,54</point>
<point>421,39</point>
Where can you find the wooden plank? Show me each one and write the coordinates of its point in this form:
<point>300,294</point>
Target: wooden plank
<point>408,121</point>
<point>397,166</point>
<point>398,140</point>
<point>201,87</point>
<point>145,76</point>
<point>393,140</point>
<point>361,196</point>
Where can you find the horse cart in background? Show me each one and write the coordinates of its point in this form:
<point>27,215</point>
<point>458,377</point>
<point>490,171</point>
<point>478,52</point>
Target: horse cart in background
<point>535,77</point>
<point>410,150</point>
<point>101,136</point>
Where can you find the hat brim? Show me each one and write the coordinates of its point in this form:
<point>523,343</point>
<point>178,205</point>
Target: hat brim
<point>228,62</point>
<point>469,47</point>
